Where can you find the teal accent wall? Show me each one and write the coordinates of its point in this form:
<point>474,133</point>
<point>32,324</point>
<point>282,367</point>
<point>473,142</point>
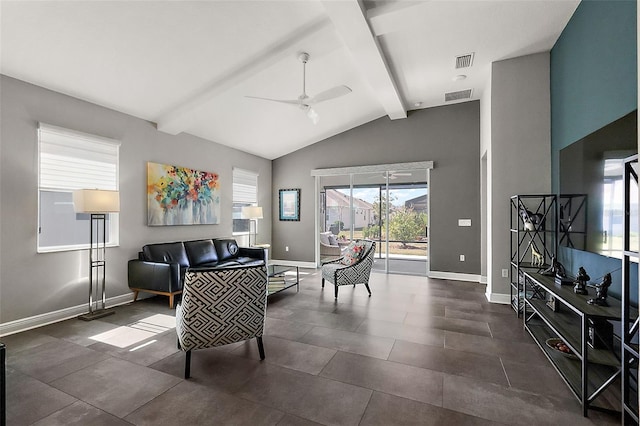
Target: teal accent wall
<point>593,72</point>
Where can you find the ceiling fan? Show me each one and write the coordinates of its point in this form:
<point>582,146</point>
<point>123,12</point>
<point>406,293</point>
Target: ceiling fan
<point>305,102</point>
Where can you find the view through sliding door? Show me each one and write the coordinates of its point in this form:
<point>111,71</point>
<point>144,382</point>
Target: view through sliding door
<point>388,207</point>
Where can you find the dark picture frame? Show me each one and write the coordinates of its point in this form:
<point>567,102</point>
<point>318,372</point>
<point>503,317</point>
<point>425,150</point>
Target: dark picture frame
<point>289,204</point>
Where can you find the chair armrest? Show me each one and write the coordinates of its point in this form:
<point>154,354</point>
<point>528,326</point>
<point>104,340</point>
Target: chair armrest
<point>157,276</point>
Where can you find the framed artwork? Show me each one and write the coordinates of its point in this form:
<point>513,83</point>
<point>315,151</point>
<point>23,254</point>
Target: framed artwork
<point>181,196</point>
<point>289,204</point>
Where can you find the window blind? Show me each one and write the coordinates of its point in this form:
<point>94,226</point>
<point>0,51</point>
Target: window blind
<point>72,160</point>
<point>245,186</point>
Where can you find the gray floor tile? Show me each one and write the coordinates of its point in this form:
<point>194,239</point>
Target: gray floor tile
<point>190,403</point>
<point>536,377</point>
<point>385,410</point>
<point>452,324</point>
<point>325,319</point>
<point>509,405</point>
<point>285,353</point>
<point>215,368</point>
<point>311,397</point>
<point>484,316</point>
<point>116,386</point>
<point>505,349</point>
<point>285,329</point>
<point>410,333</point>
<point>50,361</point>
<point>385,376</point>
<point>291,420</point>
<point>77,331</point>
<point>81,414</point>
<point>29,400</point>
<point>27,340</point>
<point>488,368</point>
<point>377,347</point>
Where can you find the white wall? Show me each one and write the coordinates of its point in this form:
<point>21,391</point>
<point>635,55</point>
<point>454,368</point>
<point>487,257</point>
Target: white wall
<point>520,152</point>
<point>34,284</point>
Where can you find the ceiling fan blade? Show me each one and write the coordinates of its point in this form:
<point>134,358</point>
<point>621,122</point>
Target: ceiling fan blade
<point>332,93</point>
<point>313,116</point>
<point>283,101</point>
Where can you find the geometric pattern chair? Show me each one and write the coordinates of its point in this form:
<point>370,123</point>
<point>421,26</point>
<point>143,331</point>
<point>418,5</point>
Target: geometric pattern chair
<point>358,273</point>
<point>221,306</point>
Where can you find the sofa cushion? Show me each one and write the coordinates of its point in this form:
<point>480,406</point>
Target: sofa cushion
<point>226,249</point>
<point>166,253</point>
<point>324,238</point>
<point>200,252</point>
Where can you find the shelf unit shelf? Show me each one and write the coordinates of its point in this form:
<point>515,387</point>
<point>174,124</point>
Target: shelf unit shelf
<point>533,227</point>
<point>591,370</point>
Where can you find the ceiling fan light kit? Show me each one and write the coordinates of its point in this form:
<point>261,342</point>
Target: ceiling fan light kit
<point>305,102</point>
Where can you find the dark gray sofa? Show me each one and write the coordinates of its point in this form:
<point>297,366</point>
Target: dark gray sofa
<point>160,268</point>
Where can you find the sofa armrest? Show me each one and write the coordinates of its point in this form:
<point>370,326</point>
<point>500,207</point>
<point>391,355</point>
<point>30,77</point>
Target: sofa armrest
<point>156,276</point>
<point>253,252</point>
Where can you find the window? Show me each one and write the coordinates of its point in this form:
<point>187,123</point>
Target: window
<point>70,160</point>
<point>245,193</point>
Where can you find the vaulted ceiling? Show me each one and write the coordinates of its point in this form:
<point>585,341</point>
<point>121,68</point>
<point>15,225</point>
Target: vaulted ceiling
<point>188,66</point>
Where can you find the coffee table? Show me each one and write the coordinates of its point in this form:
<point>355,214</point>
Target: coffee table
<point>279,280</point>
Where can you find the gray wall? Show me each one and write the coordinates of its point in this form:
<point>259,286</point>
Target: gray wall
<point>32,283</point>
<point>448,135</point>
<point>520,148</point>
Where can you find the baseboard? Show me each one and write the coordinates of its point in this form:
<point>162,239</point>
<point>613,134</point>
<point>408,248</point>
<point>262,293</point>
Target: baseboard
<point>456,276</point>
<point>311,265</point>
<point>483,279</point>
<point>503,299</point>
<point>25,324</point>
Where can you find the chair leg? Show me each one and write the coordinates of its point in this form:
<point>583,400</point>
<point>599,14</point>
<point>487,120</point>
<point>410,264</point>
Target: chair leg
<point>179,348</point>
<point>336,292</point>
<point>323,283</point>
<point>171,301</point>
<point>260,347</point>
<point>368,289</point>
<point>135,295</point>
<point>187,365</point>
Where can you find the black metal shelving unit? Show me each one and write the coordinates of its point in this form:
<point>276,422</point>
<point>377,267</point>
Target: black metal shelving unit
<point>540,210</point>
<point>629,323</point>
<point>572,220</point>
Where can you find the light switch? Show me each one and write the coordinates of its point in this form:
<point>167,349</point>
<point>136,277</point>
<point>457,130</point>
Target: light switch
<point>464,222</point>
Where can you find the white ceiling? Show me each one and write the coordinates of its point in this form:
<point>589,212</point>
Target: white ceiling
<point>188,66</point>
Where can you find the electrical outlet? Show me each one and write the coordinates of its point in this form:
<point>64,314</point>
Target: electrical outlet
<point>462,258</point>
<point>286,248</point>
<point>505,273</point>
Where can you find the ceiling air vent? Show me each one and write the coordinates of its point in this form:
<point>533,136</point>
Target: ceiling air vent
<point>456,96</point>
<point>464,61</point>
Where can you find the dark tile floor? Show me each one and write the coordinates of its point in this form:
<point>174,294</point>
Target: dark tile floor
<point>418,352</point>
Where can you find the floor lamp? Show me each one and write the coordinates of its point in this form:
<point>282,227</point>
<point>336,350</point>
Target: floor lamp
<point>98,203</point>
<point>252,213</point>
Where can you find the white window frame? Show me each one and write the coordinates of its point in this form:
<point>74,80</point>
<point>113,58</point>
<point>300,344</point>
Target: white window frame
<point>245,193</point>
<point>58,141</point>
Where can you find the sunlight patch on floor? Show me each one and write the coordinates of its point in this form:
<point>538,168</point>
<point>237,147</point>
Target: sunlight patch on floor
<point>137,332</point>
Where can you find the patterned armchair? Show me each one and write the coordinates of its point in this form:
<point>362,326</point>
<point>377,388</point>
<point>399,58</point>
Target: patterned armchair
<point>221,306</point>
<point>338,273</point>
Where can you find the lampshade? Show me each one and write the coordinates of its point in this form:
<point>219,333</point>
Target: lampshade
<point>251,212</point>
<point>96,201</point>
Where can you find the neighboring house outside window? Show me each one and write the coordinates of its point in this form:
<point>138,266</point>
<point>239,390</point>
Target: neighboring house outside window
<point>70,160</point>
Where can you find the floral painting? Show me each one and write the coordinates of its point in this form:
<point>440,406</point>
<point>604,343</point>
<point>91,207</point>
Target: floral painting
<point>182,196</point>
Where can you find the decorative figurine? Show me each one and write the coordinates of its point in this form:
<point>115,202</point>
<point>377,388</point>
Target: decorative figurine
<point>536,258</point>
<point>555,270</point>
<point>581,282</point>
<point>531,221</point>
<point>601,292</point>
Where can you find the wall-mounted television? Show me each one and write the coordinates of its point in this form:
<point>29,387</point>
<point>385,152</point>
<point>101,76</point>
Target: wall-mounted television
<point>592,190</point>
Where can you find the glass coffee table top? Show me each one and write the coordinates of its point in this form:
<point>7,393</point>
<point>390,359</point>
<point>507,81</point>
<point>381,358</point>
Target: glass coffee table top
<point>282,277</point>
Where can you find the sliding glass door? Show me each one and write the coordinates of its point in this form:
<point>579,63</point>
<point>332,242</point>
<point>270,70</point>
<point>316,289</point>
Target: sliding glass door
<point>389,207</point>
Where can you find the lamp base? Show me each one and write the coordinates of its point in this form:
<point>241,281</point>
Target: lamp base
<point>100,313</point>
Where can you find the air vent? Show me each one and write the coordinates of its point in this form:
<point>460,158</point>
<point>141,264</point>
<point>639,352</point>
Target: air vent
<point>464,61</point>
<point>456,96</point>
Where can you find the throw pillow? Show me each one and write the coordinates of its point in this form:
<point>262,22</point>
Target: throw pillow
<point>352,253</point>
<point>333,240</point>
